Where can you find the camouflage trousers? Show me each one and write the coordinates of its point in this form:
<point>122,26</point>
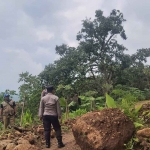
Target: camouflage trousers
<point>8,121</point>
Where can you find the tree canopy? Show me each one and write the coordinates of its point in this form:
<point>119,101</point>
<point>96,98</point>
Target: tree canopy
<point>99,63</point>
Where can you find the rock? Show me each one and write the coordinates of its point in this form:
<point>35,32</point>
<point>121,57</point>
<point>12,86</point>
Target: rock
<point>107,129</point>
<point>43,141</point>
<point>4,143</point>
<point>144,113</point>
<point>36,137</point>
<point>22,141</point>
<point>26,147</point>
<point>9,136</point>
<point>144,132</point>
<point>18,133</point>
<point>40,126</point>
<point>12,136</point>
<point>26,137</point>
<point>40,130</point>
<point>31,139</point>
<point>10,146</point>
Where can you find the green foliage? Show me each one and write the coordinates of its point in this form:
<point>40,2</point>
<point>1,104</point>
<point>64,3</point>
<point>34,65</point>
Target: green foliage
<point>100,102</point>
<point>110,102</point>
<point>147,93</point>
<point>1,97</point>
<point>65,90</point>
<point>30,92</point>
<point>27,118</point>
<point>134,94</point>
<point>62,102</point>
<point>137,125</point>
<point>129,109</point>
<point>130,144</point>
<point>90,93</point>
<point>100,108</point>
<point>127,106</point>
<point>99,62</point>
<point>88,103</point>
<point>1,126</point>
<point>77,113</point>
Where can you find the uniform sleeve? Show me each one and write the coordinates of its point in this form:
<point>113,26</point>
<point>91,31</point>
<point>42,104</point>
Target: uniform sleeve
<point>58,108</point>
<point>41,108</point>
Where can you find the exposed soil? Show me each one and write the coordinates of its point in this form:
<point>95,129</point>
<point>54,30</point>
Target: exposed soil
<point>111,124</point>
<point>145,112</point>
<point>37,138</point>
<point>68,140</point>
<point>141,103</point>
<point>108,129</point>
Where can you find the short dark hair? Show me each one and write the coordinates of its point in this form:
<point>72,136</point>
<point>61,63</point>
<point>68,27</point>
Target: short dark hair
<point>50,88</point>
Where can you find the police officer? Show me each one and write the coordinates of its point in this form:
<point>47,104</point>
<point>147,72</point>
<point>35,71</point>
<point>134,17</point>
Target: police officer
<point>8,111</point>
<point>50,113</point>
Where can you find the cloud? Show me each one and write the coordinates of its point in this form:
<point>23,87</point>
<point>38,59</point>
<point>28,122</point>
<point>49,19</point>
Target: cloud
<point>68,41</point>
<point>42,52</point>
<point>31,29</point>
<point>44,34</point>
<point>14,63</point>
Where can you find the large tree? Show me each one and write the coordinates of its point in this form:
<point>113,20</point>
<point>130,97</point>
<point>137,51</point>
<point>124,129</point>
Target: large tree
<point>99,62</point>
<point>98,40</point>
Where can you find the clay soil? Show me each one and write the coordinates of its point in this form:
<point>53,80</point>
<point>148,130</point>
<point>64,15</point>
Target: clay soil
<point>114,127</point>
<point>68,140</point>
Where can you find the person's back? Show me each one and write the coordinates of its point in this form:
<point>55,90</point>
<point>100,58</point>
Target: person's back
<point>50,105</point>
<point>49,112</point>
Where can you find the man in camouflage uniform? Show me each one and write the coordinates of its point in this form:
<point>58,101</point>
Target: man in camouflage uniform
<point>8,111</point>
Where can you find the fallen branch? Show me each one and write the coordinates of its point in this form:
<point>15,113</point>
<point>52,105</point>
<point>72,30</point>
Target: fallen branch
<point>20,129</point>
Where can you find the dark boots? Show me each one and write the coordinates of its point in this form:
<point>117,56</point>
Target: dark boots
<point>60,143</point>
<point>47,143</point>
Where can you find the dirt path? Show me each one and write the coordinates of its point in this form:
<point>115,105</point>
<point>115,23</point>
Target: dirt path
<point>141,103</point>
<point>68,140</point>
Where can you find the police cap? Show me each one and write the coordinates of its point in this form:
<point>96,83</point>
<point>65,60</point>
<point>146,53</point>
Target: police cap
<point>50,87</point>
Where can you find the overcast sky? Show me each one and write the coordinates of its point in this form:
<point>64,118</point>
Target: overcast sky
<point>30,30</point>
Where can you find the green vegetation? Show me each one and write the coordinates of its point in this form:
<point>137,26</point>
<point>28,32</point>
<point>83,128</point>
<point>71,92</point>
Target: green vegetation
<point>27,119</point>
<point>99,70</point>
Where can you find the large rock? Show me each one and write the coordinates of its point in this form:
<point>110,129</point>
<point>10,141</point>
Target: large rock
<point>143,136</point>
<point>108,129</point>
<point>144,133</point>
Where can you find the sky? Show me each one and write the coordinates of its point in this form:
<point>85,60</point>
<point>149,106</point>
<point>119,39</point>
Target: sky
<point>30,30</point>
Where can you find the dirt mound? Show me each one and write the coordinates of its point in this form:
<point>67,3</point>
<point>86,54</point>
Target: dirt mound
<point>18,140</point>
<point>108,129</point>
<point>145,113</point>
<point>33,139</point>
<point>143,136</point>
<point>145,107</point>
<point>69,123</point>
